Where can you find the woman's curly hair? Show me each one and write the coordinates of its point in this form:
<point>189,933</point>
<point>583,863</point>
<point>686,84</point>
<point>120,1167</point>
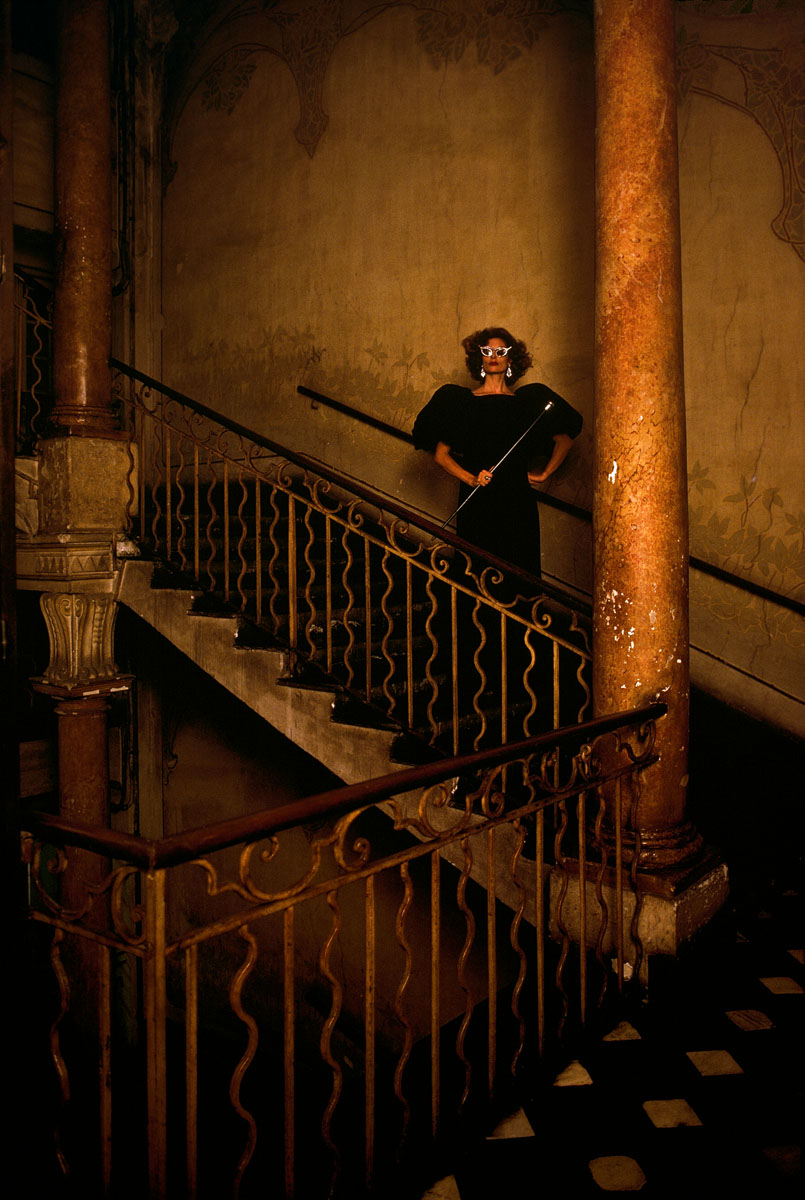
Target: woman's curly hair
<point>518,357</point>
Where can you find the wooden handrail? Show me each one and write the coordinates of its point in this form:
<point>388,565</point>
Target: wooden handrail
<point>357,414</point>
<point>391,505</point>
<point>573,510</point>
<point>153,854</point>
<point>533,584</point>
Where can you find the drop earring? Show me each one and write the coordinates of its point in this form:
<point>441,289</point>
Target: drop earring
<point>508,372</point>
<point>483,373</point>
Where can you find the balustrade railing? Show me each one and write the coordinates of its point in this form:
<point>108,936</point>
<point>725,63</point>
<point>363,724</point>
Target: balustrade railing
<point>33,358</point>
<point>298,1002</point>
<point>435,637</point>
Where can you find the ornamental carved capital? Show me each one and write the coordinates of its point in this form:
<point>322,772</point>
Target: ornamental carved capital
<point>80,627</point>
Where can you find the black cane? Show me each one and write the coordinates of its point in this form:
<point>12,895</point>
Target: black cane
<point>492,470</point>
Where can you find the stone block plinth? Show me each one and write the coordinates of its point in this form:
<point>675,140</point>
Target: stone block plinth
<point>673,907</point>
<point>86,484</point>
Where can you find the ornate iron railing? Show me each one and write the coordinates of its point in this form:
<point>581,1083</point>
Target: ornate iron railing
<point>33,358</point>
<point>435,637</point>
<point>318,1003</point>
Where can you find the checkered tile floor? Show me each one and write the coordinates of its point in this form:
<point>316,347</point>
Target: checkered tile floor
<point>697,1093</point>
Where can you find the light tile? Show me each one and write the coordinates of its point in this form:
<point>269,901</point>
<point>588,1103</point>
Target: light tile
<point>445,1189</point>
<point>714,1062</point>
<point>573,1075</point>
<point>799,955</point>
<point>624,1032</point>
<point>515,1126</point>
<point>617,1173</point>
<point>750,1018</point>
<point>669,1114</point>
<point>782,985</point>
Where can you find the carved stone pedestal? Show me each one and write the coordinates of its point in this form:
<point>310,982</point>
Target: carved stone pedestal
<point>673,906</point>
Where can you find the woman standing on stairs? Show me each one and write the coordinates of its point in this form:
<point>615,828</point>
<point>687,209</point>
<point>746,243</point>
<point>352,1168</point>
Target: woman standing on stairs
<point>469,430</point>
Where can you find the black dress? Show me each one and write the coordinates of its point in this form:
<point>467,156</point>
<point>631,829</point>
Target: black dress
<point>502,517</point>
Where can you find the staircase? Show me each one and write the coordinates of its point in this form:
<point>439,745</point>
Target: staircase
<point>373,614</point>
<point>223,645</point>
<point>387,1001</point>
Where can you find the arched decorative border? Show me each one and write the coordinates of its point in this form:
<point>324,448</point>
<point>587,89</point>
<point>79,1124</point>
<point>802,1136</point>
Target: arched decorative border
<point>772,93</point>
<point>305,40</point>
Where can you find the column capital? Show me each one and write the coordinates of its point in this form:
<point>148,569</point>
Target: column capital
<point>80,627</point>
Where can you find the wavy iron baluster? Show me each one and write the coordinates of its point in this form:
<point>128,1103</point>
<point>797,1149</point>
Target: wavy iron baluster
<point>235,994</point>
<point>387,634</point>
<point>539,918</point>
<point>196,516</point>
<point>244,533</point>
<point>157,462</point>
<point>409,643</point>
<point>435,983</point>
<point>434,642</point>
<point>349,607</point>
<point>482,680</point>
<point>131,495</point>
<point>603,907</point>
<point>191,1069</point>
<point>258,550</point>
<point>581,817</point>
<point>636,780</point>
<point>289,1045</point>
<point>469,939</point>
<point>328,593</point>
<point>370,1023</point>
<point>561,862</point>
<point>212,521</point>
<point>276,586</point>
<point>399,929</point>
<point>619,881</point>
<point>588,697</point>
<point>491,958</point>
<point>168,462</point>
<point>55,1045</point>
<point>367,617</point>
<point>514,939</point>
<point>180,517</point>
<point>293,567</point>
<point>310,582</point>
<point>327,1036</point>
<point>455,715</point>
<point>33,390</point>
<point>226,530</point>
<point>532,695</point>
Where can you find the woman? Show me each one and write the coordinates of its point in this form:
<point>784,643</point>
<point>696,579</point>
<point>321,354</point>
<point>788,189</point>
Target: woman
<point>469,430</point>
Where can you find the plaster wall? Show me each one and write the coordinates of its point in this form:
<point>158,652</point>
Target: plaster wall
<point>741,171</point>
<point>341,216</point>
<point>443,194</point>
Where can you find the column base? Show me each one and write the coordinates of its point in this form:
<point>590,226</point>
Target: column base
<point>674,905</point>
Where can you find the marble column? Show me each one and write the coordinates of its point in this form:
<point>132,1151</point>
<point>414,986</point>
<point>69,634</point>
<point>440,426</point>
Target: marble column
<point>640,498</point>
<point>82,312</point>
<point>83,784</point>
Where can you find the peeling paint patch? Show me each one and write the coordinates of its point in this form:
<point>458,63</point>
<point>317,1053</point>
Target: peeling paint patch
<point>613,472</point>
